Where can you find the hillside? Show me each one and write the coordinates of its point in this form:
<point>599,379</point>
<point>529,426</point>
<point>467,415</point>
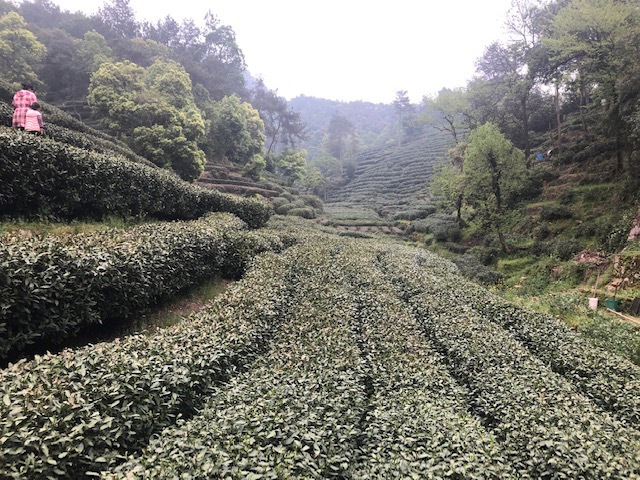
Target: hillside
<point>325,356</point>
<point>375,124</point>
<point>394,177</point>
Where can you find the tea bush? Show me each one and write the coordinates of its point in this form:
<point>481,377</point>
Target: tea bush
<point>42,177</point>
<point>66,415</point>
<point>51,287</point>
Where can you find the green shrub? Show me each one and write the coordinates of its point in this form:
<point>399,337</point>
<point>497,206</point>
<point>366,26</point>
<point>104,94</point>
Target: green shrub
<point>302,212</point>
<point>42,177</point>
<point>443,227</point>
<point>472,268</point>
<point>414,214</point>
<point>313,201</point>
<point>82,411</point>
<point>278,202</point>
<point>555,212</point>
<point>51,287</point>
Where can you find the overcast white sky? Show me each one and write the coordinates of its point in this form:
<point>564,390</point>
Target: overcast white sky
<point>347,49</point>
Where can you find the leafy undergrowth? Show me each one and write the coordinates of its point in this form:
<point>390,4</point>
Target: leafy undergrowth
<point>607,331</point>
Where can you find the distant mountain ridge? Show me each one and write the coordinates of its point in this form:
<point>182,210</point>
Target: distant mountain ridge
<point>375,123</point>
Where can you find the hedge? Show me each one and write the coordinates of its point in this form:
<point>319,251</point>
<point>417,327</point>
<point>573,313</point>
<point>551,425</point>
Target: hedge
<point>295,414</point>
<point>81,411</point>
<point>50,286</point>
<point>42,177</point>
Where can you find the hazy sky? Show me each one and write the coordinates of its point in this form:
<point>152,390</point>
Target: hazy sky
<point>347,49</point>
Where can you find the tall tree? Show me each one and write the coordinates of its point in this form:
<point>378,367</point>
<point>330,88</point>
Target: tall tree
<point>20,50</point>
<point>330,171</point>
<point>292,164</point>
<point>342,141</point>
<point>446,111</point>
<point>494,171</point>
<point>154,111</point>
<point>404,109</point>
<point>598,42</point>
<point>283,127</point>
<point>236,133</point>
<point>120,19</point>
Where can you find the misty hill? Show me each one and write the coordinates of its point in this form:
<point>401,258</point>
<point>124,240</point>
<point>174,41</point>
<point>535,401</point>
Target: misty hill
<point>394,176</point>
<point>375,123</point>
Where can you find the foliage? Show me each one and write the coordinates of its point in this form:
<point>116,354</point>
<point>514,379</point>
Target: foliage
<point>283,127</point>
<point>154,110</point>
<point>53,286</point>
<point>41,177</point>
<point>443,227</point>
<point>364,337</point>
<point>292,164</point>
<point>555,212</point>
<point>236,131</point>
<point>493,172</point>
<point>100,402</point>
<point>20,50</point>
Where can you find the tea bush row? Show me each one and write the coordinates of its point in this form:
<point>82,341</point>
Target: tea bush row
<point>50,286</point>
<point>94,143</point>
<point>295,413</point>
<point>548,426</point>
<point>611,382</point>
<point>418,423</point>
<point>84,410</point>
<point>42,177</point>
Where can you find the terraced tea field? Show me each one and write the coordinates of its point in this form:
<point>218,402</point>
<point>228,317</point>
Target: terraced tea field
<point>395,176</point>
<point>337,358</point>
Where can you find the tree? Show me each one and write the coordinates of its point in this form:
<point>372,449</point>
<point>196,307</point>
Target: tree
<point>446,111</point>
<point>236,133</point>
<point>119,18</point>
<point>329,169</point>
<point>153,110</point>
<point>494,172</point>
<point>403,108</point>
<point>341,141</point>
<point>58,69</point>
<point>292,164</point>
<point>282,126</point>
<point>20,50</point>
<point>597,42</point>
<point>447,184</point>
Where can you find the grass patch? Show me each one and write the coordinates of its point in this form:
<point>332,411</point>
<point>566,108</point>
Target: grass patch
<point>169,313</point>
<point>172,312</point>
<point>44,227</point>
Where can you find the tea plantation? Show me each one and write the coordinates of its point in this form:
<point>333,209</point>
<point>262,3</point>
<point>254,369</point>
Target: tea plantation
<point>328,357</point>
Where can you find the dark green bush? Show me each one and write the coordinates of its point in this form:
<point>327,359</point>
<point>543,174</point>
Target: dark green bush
<point>302,212</point>
<point>443,227</point>
<point>51,287</point>
<point>278,202</point>
<point>42,177</point>
<point>486,255</point>
<point>64,416</point>
<point>414,214</point>
<point>472,268</point>
<point>555,212</point>
<point>313,201</point>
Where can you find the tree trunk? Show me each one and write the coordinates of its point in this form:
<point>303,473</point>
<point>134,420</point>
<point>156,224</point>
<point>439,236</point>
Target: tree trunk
<point>619,154</point>
<point>525,128</point>
<point>503,242</point>
<point>583,105</point>
<point>558,118</point>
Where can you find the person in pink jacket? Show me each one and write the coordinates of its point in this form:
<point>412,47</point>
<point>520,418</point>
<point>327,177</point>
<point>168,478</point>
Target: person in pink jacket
<point>22,100</point>
<point>33,120</point>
